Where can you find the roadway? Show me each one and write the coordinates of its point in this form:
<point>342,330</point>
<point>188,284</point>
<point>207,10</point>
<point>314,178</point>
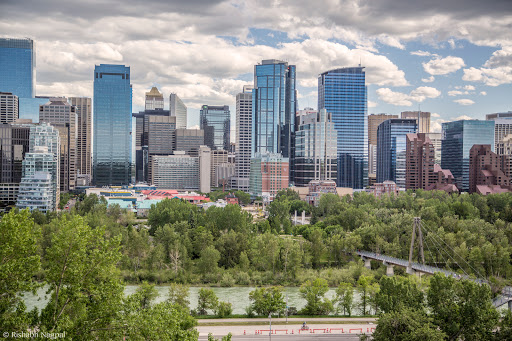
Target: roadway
<point>305,337</point>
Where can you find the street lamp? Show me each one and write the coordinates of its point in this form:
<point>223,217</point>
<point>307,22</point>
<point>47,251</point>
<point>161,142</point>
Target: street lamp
<point>270,323</point>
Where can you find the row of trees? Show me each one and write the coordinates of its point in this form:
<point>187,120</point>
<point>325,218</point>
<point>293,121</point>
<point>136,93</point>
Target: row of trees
<point>224,246</point>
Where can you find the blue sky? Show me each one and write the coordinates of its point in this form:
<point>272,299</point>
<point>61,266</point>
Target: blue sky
<point>451,57</point>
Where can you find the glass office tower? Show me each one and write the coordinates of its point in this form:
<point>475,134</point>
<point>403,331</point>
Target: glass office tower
<point>391,149</point>
<point>112,125</point>
<point>17,67</point>
<point>273,109</point>
<point>457,139</point>
<point>216,123</point>
<point>342,92</point>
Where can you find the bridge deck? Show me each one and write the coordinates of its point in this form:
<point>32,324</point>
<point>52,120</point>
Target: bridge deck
<point>505,297</point>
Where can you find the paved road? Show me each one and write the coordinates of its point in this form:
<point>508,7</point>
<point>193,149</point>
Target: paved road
<point>307,337</point>
<point>291,330</point>
<point>294,320</point>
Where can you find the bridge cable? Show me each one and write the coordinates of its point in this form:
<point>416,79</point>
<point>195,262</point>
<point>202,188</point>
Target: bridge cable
<point>435,243</point>
<point>442,249</point>
<point>455,253</point>
<point>431,254</point>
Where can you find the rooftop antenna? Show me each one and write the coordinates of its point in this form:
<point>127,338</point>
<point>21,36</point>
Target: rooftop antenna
<point>359,61</point>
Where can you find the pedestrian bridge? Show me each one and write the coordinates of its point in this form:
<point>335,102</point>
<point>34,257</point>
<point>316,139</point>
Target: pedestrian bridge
<point>390,262</point>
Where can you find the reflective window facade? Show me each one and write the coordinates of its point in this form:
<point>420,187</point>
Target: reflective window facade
<point>392,149</point>
<point>342,92</point>
<point>273,109</point>
<point>17,67</point>
<point>216,123</point>
<point>458,138</point>
<point>112,125</point>
<point>315,147</point>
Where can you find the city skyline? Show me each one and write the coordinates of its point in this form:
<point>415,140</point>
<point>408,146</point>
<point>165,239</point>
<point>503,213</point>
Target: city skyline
<point>412,53</point>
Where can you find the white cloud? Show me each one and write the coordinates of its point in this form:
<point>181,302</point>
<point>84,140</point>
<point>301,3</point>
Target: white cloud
<point>436,125</point>
<point>372,104</point>
<point>469,87</point>
<point>434,114</point>
<point>492,77</point>
<point>451,42</point>
<point>443,66</point>
<point>422,53</point>
<point>401,99</point>
<point>463,118</point>
<point>455,93</point>
<point>464,101</point>
<point>483,93</point>
<point>428,80</point>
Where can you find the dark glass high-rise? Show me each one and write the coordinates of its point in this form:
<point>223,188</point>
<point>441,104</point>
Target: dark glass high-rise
<point>112,125</point>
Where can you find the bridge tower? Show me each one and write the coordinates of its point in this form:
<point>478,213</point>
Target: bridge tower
<point>416,229</point>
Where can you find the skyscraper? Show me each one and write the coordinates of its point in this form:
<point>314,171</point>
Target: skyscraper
<point>216,123</point>
<point>458,138</point>
<point>315,147</point>
<point>391,149</point>
<point>274,107</point>
<point>17,67</point>
<point>154,99</point>
<point>178,109</point>
<point>342,92</point>
<point>243,138</point>
<point>60,114</point>
<point>8,107</point>
<point>502,125</point>
<point>84,134</point>
<point>374,121</point>
<point>422,119</point>
<point>112,125</point>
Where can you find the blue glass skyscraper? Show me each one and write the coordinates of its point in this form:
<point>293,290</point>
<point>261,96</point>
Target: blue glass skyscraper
<point>112,125</point>
<point>273,109</point>
<point>17,67</point>
<point>342,92</point>
<point>457,139</point>
<point>216,123</point>
<point>391,149</point>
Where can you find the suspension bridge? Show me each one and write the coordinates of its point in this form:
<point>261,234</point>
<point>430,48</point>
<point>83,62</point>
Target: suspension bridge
<point>505,296</point>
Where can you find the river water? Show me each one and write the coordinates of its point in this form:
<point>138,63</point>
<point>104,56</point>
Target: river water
<point>237,296</point>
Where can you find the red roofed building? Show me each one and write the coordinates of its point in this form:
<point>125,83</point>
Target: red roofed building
<point>174,194</point>
<point>488,171</point>
<point>421,169</point>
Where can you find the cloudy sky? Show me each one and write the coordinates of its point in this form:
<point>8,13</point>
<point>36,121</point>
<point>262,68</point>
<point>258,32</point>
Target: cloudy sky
<point>452,58</point>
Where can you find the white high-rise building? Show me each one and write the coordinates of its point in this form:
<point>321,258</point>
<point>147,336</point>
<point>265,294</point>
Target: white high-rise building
<point>8,107</point>
<point>243,139</point>
<point>36,193</point>
<point>178,109</point>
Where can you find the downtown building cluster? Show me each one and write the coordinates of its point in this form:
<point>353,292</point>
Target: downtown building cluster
<point>81,142</point>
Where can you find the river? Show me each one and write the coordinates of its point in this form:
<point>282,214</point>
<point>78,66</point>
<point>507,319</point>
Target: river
<point>237,296</point>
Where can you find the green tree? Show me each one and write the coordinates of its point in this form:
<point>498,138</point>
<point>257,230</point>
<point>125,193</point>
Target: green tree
<point>224,309</point>
<point>313,292</point>
<point>398,292</point>
<point>243,198</point>
<point>141,319</point>
<point>407,325</point>
<point>178,294</point>
<point>84,289</point>
<point>207,300</point>
<point>345,297</point>
<point>462,308</point>
<point>208,264</point>
<point>363,284</point>
<point>267,301</point>
<point>19,262</point>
